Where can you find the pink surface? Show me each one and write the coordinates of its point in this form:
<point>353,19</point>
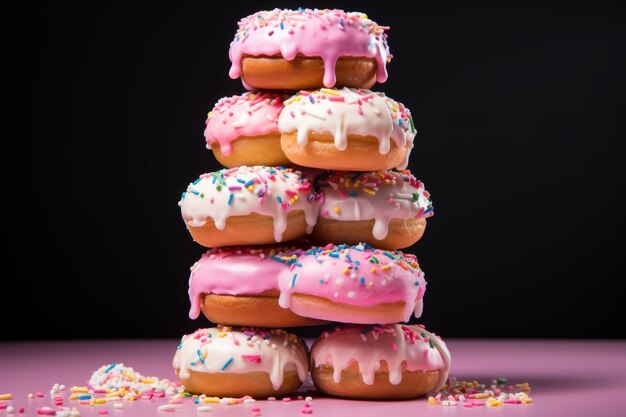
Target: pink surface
<point>568,378</point>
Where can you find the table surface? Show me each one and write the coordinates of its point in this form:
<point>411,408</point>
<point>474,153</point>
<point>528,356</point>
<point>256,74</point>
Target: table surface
<point>567,377</point>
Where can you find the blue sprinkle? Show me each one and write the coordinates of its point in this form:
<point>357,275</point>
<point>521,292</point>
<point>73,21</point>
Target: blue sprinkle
<point>228,362</point>
<point>428,210</point>
<point>196,400</point>
<point>367,329</point>
<point>353,193</point>
<point>334,254</point>
<point>260,17</point>
<point>311,99</point>
<point>362,280</point>
<point>341,21</point>
<point>322,281</point>
<point>293,280</point>
<point>298,263</point>
<point>282,26</point>
<point>417,283</point>
<point>193,363</point>
<point>399,122</point>
<point>276,258</point>
<point>388,255</point>
<point>110,367</point>
<point>230,199</point>
<point>280,200</point>
<point>84,397</point>
<point>182,197</point>
<point>194,191</point>
<point>359,247</point>
<point>249,183</point>
<point>239,180</point>
<point>197,181</point>
<point>200,355</point>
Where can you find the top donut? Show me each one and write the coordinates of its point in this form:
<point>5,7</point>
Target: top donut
<point>302,49</point>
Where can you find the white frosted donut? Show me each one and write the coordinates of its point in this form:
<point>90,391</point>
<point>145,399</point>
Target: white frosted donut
<point>223,362</point>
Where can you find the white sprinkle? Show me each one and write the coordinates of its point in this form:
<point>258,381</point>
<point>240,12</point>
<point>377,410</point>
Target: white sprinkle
<point>309,398</point>
<point>118,405</point>
<point>336,294</point>
<point>74,413</point>
<point>204,409</point>
<point>462,398</point>
<point>271,398</point>
<point>63,413</point>
<point>249,400</point>
<point>273,346</point>
<point>10,410</point>
<point>351,294</point>
<point>364,337</point>
<point>168,407</point>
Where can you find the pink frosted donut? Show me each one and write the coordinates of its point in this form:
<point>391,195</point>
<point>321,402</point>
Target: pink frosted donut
<point>346,129</point>
<point>243,130</point>
<point>249,206</point>
<point>386,209</point>
<point>379,362</point>
<point>353,284</point>
<point>239,286</point>
<point>306,49</point>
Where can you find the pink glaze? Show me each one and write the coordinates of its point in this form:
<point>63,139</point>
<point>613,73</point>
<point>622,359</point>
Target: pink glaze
<point>355,275</point>
<point>328,34</point>
<point>234,271</point>
<point>250,114</point>
<point>409,348</point>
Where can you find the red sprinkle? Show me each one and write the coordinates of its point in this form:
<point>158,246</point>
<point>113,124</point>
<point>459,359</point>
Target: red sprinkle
<point>21,410</point>
<point>255,409</point>
<point>39,394</point>
<point>104,411</point>
<point>286,399</point>
<point>306,411</point>
<point>3,406</point>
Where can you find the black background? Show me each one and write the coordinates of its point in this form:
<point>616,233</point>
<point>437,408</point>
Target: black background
<point>520,113</point>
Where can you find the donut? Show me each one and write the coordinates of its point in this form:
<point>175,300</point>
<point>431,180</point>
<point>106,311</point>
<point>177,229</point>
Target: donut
<point>346,129</point>
<point>243,130</point>
<point>385,209</point>
<point>222,362</point>
<point>249,206</point>
<point>382,362</point>
<point>307,49</point>
<point>239,286</point>
<point>353,284</point>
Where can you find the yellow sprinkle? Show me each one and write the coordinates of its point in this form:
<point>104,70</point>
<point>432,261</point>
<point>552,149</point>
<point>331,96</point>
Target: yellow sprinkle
<point>373,270</point>
<point>295,197</point>
<point>129,375</point>
<point>100,401</point>
<point>329,91</point>
<point>369,191</point>
<point>147,381</point>
<point>79,389</point>
<point>233,401</point>
<point>346,182</point>
<point>73,396</point>
<point>209,114</point>
<point>298,98</point>
<point>337,210</point>
<point>346,270</point>
<point>92,402</point>
<point>481,395</point>
<point>381,175</point>
<point>387,181</point>
<point>494,403</point>
<point>113,394</point>
<point>211,400</point>
<point>251,96</point>
<point>385,267</point>
<point>357,183</point>
<point>526,400</point>
<point>6,396</point>
<point>204,354</point>
<point>250,187</point>
<point>292,202</point>
<point>289,101</point>
<point>222,334</point>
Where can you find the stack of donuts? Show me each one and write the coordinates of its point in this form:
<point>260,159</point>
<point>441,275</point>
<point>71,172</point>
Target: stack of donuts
<point>304,225</point>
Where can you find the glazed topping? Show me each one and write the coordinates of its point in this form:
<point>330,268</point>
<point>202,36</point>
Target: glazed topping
<point>402,347</point>
<point>250,114</point>
<point>328,34</point>
<point>234,271</point>
<point>349,111</point>
<point>381,195</point>
<point>221,349</point>
<point>355,275</point>
<point>239,191</point>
